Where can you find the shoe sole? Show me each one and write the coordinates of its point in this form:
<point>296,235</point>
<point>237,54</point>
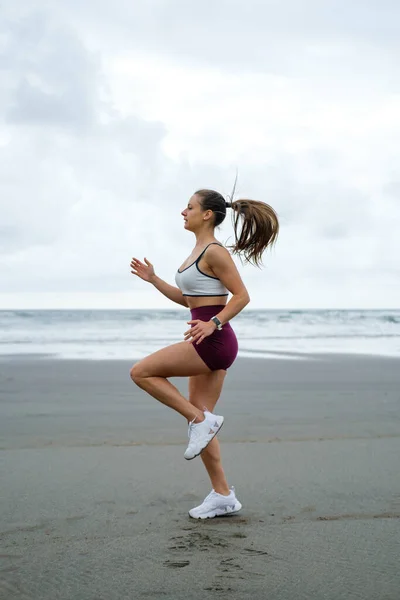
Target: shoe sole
<point>218,513</point>
<point>196,455</point>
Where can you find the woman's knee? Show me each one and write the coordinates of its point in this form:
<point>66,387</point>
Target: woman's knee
<point>137,372</point>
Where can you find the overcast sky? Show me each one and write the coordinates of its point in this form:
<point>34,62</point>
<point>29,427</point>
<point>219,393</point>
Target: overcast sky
<point>113,113</point>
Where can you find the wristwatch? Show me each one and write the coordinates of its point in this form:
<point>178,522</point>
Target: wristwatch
<point>217,322</point>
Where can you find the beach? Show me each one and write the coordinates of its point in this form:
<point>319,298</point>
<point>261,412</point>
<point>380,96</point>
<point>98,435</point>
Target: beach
<point>95,490</point>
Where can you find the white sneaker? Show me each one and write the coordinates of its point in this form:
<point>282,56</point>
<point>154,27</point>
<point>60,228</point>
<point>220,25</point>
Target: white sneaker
<point>201,434</point>
<point>216,505</point>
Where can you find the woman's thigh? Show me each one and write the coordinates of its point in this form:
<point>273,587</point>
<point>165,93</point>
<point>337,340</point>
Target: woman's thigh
<point>177,360</point>
<point>205,389</point>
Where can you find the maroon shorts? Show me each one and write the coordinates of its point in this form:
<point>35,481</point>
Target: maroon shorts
<point>219,349</point>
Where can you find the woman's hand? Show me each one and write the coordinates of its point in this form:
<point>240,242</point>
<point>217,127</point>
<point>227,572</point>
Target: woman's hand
<point>199,331</point>
<point>145,272</point>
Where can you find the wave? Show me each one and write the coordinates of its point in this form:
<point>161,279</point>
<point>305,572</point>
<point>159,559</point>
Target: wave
<point>300,323</point>
<point>324,336</point>
<point>62,315</point>
<point>390,319</point>
<point>17,313</point>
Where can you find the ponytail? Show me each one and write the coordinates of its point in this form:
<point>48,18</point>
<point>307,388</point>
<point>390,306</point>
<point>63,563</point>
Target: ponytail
<point>260,225</point>
<point>260,228</point>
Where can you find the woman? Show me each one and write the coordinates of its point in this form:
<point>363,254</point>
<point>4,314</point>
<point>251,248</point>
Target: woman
<point>204,281</point>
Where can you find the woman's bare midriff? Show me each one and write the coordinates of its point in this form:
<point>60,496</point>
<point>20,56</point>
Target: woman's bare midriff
<point>196,301</point>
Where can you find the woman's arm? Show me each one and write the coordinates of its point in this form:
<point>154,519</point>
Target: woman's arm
<point>146,272</point>
<point>222,265</point>
<point>171,292</point>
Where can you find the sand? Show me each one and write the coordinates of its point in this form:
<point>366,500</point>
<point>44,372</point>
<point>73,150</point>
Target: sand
<point>95,490</point>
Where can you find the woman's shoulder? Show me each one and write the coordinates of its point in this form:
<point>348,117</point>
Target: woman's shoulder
<point>217,244</point>
<point>217,251</point>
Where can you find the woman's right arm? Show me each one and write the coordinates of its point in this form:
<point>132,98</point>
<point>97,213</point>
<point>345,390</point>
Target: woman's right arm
<point>146,272</point>
<point>171,292</point>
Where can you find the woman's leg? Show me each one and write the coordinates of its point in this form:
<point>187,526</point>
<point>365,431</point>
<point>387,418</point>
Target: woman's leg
<point>178,360</point>
<point>204,391</point>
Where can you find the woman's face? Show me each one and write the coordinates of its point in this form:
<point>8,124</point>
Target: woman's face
<point>193,214</point>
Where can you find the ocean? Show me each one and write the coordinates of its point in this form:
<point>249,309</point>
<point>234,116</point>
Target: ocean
<point>133,334</point>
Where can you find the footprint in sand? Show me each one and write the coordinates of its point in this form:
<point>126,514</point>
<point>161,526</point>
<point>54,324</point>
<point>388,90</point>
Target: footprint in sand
<point>176,564</point>
<point>228,566</point>
<point>218,588</point>
<point>197,541</point>
<point>254,551</point>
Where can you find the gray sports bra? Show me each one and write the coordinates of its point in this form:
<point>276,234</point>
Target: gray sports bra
<point>193,282</point>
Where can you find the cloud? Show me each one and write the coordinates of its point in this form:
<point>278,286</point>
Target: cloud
<point>112,115</point>
<point>284,38</point>
<point>51,79</point>
<point>71,165</point>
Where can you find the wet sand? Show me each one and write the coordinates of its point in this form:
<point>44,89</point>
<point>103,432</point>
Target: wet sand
<point>95,490</point>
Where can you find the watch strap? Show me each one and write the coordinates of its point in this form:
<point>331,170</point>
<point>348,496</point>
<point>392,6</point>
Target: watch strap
<point>217,322</point>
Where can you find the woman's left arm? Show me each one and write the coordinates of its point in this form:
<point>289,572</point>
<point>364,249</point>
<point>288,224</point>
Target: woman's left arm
<point>220,262</point>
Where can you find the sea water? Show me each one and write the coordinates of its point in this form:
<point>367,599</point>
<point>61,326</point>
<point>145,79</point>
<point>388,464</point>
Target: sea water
<point>133,334</point>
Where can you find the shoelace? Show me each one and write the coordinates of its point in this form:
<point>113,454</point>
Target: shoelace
<point>191,429</point>
<point>210,495</point>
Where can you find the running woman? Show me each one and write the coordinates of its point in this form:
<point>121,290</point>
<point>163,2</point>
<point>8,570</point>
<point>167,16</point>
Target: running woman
<point>204,282</point>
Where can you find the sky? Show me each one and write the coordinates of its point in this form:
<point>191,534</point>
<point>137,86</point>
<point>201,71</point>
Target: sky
<point>113,114</point>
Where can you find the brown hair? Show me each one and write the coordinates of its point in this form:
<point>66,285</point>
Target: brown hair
<point>260,225</point>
